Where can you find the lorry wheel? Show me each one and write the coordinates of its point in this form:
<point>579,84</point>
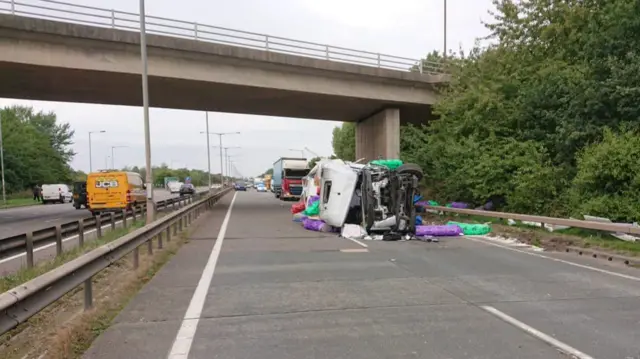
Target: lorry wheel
<point>410,168</point>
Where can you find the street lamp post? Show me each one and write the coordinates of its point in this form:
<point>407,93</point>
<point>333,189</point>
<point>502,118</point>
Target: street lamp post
<point>226,158</point>
<point>4,192</point>
<point>220,134</point>
<point>208,152</point>
<point>229,164</point>
<point>444,53</point>
<point>228,161</point>
<point>208,147</point>
<point>151,211</point>
<point>90,157</point>
<point>298,150</point>
<point>113,161</point>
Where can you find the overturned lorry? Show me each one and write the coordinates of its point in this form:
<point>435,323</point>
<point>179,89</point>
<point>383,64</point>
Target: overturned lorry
<point>378,196</point>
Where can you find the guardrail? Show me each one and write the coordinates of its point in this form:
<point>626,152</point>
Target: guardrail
<point>26,242</point>
<point>607,227</point>
<point>122,20</point>
<point>19,304</point>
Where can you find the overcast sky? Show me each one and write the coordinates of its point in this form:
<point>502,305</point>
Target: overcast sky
<point>409,28</point>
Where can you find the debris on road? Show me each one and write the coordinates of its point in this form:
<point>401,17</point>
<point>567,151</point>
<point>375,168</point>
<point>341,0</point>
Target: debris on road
<point>374,201</point>
<point>472,229</point>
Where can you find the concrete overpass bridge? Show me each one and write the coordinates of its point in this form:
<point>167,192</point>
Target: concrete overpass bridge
<point>93,56</point>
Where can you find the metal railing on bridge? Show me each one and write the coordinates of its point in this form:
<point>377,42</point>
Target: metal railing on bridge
<point>122,20</point>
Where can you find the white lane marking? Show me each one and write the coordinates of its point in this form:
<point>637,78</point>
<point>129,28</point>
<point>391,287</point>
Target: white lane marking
<point>38,249</point>
<point>567,349</point>
<point>187,332</point>
<point>358,242</point>
<point>53,220</point>
<point>354,250</point>
<point>621,275</point>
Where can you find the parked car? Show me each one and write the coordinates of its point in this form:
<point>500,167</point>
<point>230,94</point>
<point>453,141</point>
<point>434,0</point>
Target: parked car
<point>187,189</point>
<point>52,193</point>
<point>174,187</point>
<point>80,195</point>
<point>240,186</point>
<point>260,187</point>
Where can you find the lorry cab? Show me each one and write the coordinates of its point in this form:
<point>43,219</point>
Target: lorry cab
<point>113,191</point>
<point>287,177</point>
<point>337,188</point>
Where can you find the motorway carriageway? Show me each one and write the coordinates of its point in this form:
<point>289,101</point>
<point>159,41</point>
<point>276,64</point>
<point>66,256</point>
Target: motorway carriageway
<point>250,283</point>
<point>14,221</point>
<point>31,218</point>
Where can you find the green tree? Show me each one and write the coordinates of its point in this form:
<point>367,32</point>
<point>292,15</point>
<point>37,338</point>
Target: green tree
<point>344,141</point>
<point>608,178</point>
<point>521,122</point>
<point>35,148</point>
<point>313,161</point>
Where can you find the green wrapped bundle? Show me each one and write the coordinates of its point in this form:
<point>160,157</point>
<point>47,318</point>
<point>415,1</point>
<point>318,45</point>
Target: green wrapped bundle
<point>472,229</point>
<point>312,210</point>
<point>390,164</point>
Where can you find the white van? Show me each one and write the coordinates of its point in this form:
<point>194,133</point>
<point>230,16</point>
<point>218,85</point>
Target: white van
<point>174,187</point>
<point>52,193</point>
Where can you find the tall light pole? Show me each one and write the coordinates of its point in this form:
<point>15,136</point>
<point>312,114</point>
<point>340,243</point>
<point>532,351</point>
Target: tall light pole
<point>226,157</point>
<point>90,159</point>
<point>113,161</point>
<point>444,53</point>
<point>151,210</point>
<point>4,191</point>
<point>298,150</point>
<point>230,164</point>
<point>208,147</point>
<point>208,152</point>
<point>220,134</point>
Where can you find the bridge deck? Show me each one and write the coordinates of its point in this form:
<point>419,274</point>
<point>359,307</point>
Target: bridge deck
<point>279,291</point>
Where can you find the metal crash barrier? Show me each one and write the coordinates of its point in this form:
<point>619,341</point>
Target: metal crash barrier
<point>19,304</point>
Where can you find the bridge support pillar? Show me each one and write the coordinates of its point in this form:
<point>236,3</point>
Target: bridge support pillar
<point>379,135</point>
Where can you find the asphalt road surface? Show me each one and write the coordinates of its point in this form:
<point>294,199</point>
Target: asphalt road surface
<point>20,220</point>
<point>260,286</point>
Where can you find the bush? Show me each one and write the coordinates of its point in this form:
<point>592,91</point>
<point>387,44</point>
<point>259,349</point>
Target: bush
<point>608,179</point>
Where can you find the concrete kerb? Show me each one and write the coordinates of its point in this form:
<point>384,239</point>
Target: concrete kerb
<point>630,261</point>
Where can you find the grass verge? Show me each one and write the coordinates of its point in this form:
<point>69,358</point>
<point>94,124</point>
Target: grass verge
<point>19,202</point>
<point>557,240</point>
<point>64,330</point>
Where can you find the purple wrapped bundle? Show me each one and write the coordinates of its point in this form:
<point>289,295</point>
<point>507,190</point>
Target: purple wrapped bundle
<point>312,199</point>
<point>422,203</point>
<point>438,231</point>
<point>313,224</point>
<point>460,205</point>
<point>299,217</point>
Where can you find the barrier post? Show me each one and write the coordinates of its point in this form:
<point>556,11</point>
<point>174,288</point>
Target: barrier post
<point>80,233</point>
<point>58,240</point>
<point>29,249</point>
